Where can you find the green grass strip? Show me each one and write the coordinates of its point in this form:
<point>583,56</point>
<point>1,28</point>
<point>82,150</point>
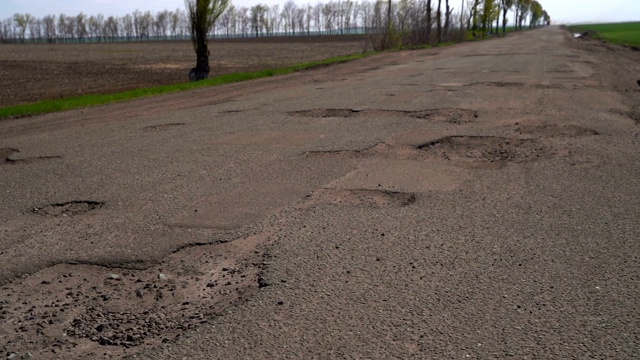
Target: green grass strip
<point>626,34</point>
<point>82,101</point>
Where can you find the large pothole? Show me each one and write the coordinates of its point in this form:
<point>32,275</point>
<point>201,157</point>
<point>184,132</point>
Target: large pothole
<point>551,130</point>
<point>451,115</point>
<point>83,311</point>
<point>486,149</point>
<point>469,150</point>
<point>360,198</point>
<point>70,208</point>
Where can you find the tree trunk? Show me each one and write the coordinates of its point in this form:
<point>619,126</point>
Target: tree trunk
<point>428,21</point>
<point>439,20</point>
<point>447,20</point>
<point>498,21</point>
<point>387,35</point>
<point>201,71</point>
<point>474,16</point>
<point>504,20</point>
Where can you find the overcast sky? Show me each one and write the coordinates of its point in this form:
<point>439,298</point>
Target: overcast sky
<point>561,11</point>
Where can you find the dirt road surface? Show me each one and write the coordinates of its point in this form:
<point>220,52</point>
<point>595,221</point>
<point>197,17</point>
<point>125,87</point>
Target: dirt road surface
<point>475,201</point>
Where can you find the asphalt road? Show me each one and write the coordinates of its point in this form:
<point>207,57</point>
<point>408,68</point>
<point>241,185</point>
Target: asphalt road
<point>474,201</point>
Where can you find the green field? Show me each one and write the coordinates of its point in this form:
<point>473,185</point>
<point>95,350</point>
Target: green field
<point>627,33</point>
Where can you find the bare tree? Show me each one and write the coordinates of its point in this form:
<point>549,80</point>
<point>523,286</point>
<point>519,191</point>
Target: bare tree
<point>81,26</point>
<point>49,24</point>
<point>128,26</point>
<point>244,21</point>
<point>439,21</point>
<point>110,28</point>
<point>161,23</point>
<point>21,22</point>
<point>94,24</point>
<point>227,23</point>
<point>288,11</point>
<point>447,20</point>
<point>275,20</point>
<point>300,18</point>
<point>203,15</point>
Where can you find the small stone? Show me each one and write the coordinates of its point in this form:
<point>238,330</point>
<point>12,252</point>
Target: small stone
<point>163,277</point>
<point>113,277</point>
<point>12,355</point>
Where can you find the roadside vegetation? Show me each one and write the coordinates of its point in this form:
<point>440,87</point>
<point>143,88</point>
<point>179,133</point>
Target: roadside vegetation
<point>627,33</point>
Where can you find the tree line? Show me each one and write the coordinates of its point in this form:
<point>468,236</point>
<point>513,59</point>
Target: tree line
<point>400,21</point>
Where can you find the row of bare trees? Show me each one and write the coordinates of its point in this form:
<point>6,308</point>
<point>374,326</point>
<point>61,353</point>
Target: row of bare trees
<point>406,21</point>
<point>63,28</point>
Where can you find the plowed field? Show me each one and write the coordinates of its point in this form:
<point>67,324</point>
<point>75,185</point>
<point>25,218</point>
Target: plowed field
<point>32,72</point>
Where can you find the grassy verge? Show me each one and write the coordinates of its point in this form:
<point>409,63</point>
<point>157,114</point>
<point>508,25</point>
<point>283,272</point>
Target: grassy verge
<point>76,102</point>
<point>627,34</point>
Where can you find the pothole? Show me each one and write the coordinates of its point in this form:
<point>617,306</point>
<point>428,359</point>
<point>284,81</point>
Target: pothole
<point>485,149</point>
<point>6,152</point>
<point>546,86</point>
<point>5,155</point>
<point>324,113</point>
<point>499,84</point>
<point>360,198</point>
<point>391,151</point>
<point>335,154</point>
<point>503,84</point>
<point>125,309</point>
<point>162,127</point>
<point>450,115</point>
<point>555,130</point>
<point>635,116</point>
<point>70,208</point>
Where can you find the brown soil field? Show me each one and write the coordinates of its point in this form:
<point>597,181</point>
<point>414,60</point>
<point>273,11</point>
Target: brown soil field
<point>33,72</point>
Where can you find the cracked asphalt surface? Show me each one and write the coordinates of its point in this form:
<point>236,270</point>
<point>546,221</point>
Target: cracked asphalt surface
<point>474,201</point>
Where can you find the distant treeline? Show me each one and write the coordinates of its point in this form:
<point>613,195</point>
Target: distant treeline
<point>414,21</point>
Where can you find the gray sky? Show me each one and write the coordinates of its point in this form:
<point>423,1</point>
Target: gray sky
<point>563,11</point>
